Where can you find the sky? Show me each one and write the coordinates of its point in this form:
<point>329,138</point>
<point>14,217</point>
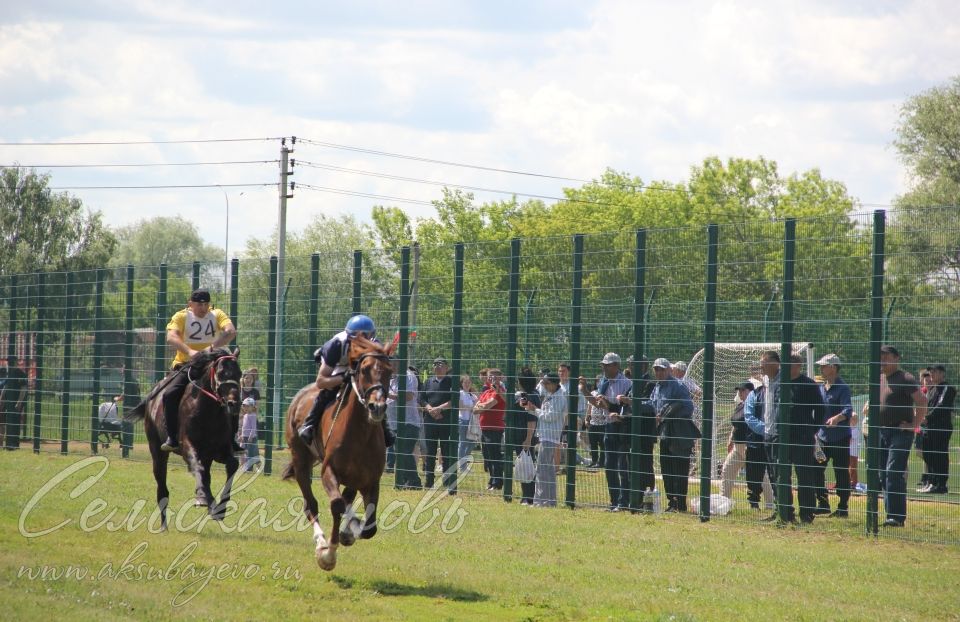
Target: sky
<point>561,89</point>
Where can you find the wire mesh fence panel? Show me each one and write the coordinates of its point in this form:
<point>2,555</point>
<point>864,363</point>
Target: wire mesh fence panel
<point>513,323</point>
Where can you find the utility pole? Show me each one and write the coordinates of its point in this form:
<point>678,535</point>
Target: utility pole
<point>286,192</point>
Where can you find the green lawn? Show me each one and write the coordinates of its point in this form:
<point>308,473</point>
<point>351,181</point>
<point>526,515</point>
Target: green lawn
<point>503,562</point>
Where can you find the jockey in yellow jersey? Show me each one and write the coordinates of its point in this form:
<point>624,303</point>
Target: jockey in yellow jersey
<point>197,328</point>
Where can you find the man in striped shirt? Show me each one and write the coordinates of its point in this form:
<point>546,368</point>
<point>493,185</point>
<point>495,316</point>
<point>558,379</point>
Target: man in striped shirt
<point>550,419</point>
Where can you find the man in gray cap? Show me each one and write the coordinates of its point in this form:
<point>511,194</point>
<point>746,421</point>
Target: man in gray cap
<point>674,407</point>
<point>438,425</point>
<point>612,394</point>
<point>834,436</point>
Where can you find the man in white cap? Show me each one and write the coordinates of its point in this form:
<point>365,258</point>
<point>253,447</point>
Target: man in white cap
<point>834,436</point>
<point>612,394</point>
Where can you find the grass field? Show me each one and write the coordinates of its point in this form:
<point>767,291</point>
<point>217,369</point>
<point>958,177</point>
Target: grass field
<point>468,557</point>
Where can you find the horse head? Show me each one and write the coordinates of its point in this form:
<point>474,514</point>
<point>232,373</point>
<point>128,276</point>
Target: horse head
<point>219,372</point>
<point>371,371</point>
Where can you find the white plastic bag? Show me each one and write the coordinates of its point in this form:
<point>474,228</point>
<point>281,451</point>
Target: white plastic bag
<point>473,429</point>
<point>523,469</point>
<point>719,505</point>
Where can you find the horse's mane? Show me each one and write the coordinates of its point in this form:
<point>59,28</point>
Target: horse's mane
<point>361,345</point>
<point>199,362</point>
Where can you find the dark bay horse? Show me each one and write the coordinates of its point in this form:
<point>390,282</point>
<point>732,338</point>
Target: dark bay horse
<point>348,446</point>
<point>208,403</point>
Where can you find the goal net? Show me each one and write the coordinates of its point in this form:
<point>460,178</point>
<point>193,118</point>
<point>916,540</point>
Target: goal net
<point>734,363</point>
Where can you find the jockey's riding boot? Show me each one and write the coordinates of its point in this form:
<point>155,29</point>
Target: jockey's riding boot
<point>234,426</point>
<point>171,444</point>
<point>309,427</point>
<point>388,437</point>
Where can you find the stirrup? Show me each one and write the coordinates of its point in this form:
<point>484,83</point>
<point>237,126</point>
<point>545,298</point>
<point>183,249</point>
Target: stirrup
<point>170,445</point>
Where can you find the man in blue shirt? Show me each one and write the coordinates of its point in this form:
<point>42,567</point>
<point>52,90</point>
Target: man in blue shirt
<point>834,436</point>
<point>760,411</point>
<point>674,407</point>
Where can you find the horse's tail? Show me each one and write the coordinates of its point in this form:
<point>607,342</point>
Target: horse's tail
<point>287,471</point>
<point>137,413</point>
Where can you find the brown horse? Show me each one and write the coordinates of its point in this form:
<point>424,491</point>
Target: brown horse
<point>205,426</point>
<point>349,447</point>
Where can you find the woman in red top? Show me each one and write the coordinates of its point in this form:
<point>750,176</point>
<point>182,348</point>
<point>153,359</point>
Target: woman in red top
<point>491,407</point>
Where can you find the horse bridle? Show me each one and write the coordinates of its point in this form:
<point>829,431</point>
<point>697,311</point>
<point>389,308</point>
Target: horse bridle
<point>355,371</point>
<point>215,382</point>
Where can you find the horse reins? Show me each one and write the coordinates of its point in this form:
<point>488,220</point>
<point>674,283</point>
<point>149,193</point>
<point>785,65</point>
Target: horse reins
<point>352,374</point>
<point>214,381</point>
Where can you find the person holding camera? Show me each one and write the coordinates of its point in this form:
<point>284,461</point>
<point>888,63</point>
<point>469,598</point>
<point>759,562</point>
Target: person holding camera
<point>611,395</point>
<point>551,416</point>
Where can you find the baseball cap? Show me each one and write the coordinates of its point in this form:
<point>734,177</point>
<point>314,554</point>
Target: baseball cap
<point>249,402</point>
<point>889,350</point>
<point>662,363</point>
<point>439,361</point>
<point>200,295</point>
<point>829,359</point>
<point>610,358</point>
<point>938,367</point>
<point>553,377</point>
<point>748,386</point>
<point>680,365</point>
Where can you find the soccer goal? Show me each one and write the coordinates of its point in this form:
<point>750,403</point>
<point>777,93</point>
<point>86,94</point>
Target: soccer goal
<point>734,363</point>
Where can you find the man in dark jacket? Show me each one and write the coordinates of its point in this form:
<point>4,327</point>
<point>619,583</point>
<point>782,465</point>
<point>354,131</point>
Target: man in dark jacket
<point>762,413</point>
<point>937,430</point>
<point>806,418</point>
<point>674,407</point>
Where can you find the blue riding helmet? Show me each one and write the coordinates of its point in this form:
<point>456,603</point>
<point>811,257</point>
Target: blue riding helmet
<point>361,324</point>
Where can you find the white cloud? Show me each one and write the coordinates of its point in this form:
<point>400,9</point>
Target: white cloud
<point>650,88</point>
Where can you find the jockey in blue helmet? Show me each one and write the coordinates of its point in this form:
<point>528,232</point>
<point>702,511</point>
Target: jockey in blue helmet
<point>333,362</point>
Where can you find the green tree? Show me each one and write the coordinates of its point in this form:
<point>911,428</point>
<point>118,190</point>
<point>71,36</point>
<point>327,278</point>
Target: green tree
<point>172,240</point>
<point>925,234</point>
<point>45,230</point>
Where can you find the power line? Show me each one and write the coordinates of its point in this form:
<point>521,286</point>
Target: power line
<point>367,195</point>
<point>140,165</point>
<point>433,161</point>
<point>164,186</point>
<point>136,142</point>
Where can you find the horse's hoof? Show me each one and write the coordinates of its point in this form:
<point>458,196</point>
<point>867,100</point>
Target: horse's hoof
<point>369,531</point>
<point>200,503</point>
<point>347,538</point>
<point>326,559</point>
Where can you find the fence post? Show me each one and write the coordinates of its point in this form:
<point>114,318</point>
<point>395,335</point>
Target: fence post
<point>12,437</point>
<point>272,375</point>
<point>195,281</point>
<point>709,356</point>
<point>456,351</point>
<point>160,344</point>
<point>235,295</point>
<point>357,279</point>
<point>513,434</point>
<point>402,464</point>
<point>313,332</point>
<point>576,310</point>
<point>126,436</point>
<point>876,339</point>
<point>41,338</point>
<point>636,429</point>
<point>784,415</point>
<point>69,304</point>
<point>12,324</point>
<point>97,357</point>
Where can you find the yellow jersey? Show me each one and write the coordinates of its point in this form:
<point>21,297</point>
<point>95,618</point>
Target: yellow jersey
<point>197,332</point>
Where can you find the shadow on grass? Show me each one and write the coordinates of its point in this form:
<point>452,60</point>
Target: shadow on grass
<point>432,590</point>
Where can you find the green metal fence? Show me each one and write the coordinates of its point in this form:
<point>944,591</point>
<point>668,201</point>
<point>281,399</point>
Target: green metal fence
<point>695,294</point>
